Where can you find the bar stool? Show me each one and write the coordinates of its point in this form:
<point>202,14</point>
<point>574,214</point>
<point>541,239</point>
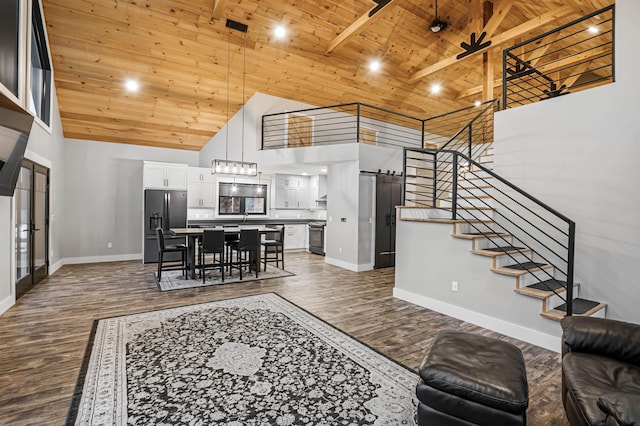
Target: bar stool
<point>249,246</point>
<point>212,243</point>
<point>174,248</point>
<point>275,247</point>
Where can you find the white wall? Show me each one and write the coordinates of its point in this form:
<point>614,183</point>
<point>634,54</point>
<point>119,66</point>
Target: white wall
<point>104,198</point>
<point>46,149</point>
<point>583,161</point>
<point>342,203</point>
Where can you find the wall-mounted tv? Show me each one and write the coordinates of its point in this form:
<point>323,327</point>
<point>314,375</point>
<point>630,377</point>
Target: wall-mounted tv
<point>14,134</point>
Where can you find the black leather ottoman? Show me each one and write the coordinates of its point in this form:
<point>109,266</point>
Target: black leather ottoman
<point>468,379</point>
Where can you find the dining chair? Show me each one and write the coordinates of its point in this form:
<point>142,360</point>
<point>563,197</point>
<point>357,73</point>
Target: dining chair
<point>248,250</point>
<point>228,240</point>
<point>274,248</point>
<point>173,248</point>
<point>212,243</point>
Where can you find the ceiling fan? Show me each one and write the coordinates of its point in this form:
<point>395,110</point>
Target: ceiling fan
<point>437,24</point>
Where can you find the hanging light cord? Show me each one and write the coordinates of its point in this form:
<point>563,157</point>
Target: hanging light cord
<point>436,9</point>
<point>226,154</point>
<point>244,77</point>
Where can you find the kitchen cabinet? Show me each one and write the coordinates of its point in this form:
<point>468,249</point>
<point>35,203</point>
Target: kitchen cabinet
<point>293,192</point>
<point>295,236</point>
<point>200,174</point>
<point>164,176</point>
<point>201,195</point>
<point>201,189</point>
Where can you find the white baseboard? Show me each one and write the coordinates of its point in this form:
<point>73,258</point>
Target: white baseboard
<point>8,302</point>
<point>54,267</point>
<point>547,341</point>
<point>346,265</point>
<point>101,259</point>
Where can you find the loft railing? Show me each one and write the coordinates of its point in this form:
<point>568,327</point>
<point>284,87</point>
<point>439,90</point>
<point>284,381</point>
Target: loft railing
<point>570,58</point>
<point>340,124</point>
<point>362,123</point>
<point>493,206</point>
<point>468,130</point>
<point>453,128</point>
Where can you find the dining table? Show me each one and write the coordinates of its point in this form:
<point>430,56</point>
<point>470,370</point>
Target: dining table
<point>194,234</point>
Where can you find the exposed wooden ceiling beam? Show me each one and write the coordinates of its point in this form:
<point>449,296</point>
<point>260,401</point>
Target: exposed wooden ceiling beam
<point>499,13</point>
<point>218,7</point>
<point>534,56</point>
<point>496,41</point>
<point>576,74</point>
<point>358,26</point>
<point>549,68</point>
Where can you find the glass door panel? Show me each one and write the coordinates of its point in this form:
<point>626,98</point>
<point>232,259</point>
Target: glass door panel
<point>31,201</point>
<point>40,224</point>
<point>22,232</point>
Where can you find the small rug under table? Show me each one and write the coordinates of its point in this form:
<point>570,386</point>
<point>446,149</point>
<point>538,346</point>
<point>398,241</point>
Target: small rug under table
<point>256,360</point>
<point>175,280</point>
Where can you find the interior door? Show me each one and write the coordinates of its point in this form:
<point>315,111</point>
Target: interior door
<point>388,195</point>
<point>31,201</point>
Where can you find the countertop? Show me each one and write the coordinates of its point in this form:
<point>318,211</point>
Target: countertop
<point>211,222</point>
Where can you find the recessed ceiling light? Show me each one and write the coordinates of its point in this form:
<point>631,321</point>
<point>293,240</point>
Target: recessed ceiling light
<point>593,30</point>
<point>280,32</point>
<point>477,103</point>
<point>304,173</point>
<point>374,65</point>
<point>131,85</point>
<point>323,170</point>
<point>436,88</point>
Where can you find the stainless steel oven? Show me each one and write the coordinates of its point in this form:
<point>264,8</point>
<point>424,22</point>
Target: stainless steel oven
<point>316,237</point>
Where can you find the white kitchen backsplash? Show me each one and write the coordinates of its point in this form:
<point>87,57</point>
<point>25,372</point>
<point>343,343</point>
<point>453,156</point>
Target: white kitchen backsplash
<point>209,214</point>
<point>201,214</point>
<point>297,214</point>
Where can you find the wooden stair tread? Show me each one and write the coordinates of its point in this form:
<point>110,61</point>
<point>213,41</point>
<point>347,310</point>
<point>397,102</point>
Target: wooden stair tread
<point>591,307</point>
<point>499,251</point>
<point>518,272</point>
<point>468,197</point>
<point>544,289</point>
<point>474,236</point>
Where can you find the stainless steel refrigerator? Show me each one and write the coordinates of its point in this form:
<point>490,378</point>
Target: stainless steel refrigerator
<point>163,209</point>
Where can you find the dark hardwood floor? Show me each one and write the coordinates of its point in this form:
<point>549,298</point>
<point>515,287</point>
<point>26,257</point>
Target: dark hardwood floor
<point>44,336</point>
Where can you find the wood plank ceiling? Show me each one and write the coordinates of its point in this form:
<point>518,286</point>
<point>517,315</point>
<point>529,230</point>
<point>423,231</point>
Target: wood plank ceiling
<point>178,50</point>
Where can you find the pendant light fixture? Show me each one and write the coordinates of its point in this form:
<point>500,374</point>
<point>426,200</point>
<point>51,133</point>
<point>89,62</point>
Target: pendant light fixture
<point>438,25</point>
<point>226,166</point>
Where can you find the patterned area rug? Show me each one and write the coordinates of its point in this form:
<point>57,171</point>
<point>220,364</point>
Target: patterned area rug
<point>256,360</point>
<point>174,280</point>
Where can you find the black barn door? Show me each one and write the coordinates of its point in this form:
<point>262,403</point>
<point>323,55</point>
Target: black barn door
<point>388,196</point>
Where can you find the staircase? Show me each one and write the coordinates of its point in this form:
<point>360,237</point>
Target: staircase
<point>480,209</point>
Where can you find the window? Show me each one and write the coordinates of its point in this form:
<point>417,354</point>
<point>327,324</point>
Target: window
<point>40,90</point>
<point>242,198</point>
<point>9,38</point>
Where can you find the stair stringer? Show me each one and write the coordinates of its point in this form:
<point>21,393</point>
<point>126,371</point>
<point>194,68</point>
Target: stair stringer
<point>428,259</point>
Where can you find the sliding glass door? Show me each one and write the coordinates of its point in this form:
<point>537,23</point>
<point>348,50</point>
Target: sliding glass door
<point>31,200</point>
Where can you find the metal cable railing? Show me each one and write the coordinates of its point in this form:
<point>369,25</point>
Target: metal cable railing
<point>339,124</point>
<point>532,235</point>
<point>570,58</point>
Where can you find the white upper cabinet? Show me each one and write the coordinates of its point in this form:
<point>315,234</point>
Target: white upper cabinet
<point>292,192</point>
<point>200,174</point>
<point>201,190</point>
<point>164,176</point>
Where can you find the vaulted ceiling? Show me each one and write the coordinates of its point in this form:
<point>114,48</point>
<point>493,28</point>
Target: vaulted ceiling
<point>178,49</point>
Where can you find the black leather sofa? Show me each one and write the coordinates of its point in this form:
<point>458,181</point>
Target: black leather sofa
<point>601,371</point>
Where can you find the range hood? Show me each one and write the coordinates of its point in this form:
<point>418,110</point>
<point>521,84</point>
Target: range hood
<point>15,127</point>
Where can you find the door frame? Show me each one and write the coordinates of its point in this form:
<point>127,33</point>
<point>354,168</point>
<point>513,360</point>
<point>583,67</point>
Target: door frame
<point>35,275</point>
